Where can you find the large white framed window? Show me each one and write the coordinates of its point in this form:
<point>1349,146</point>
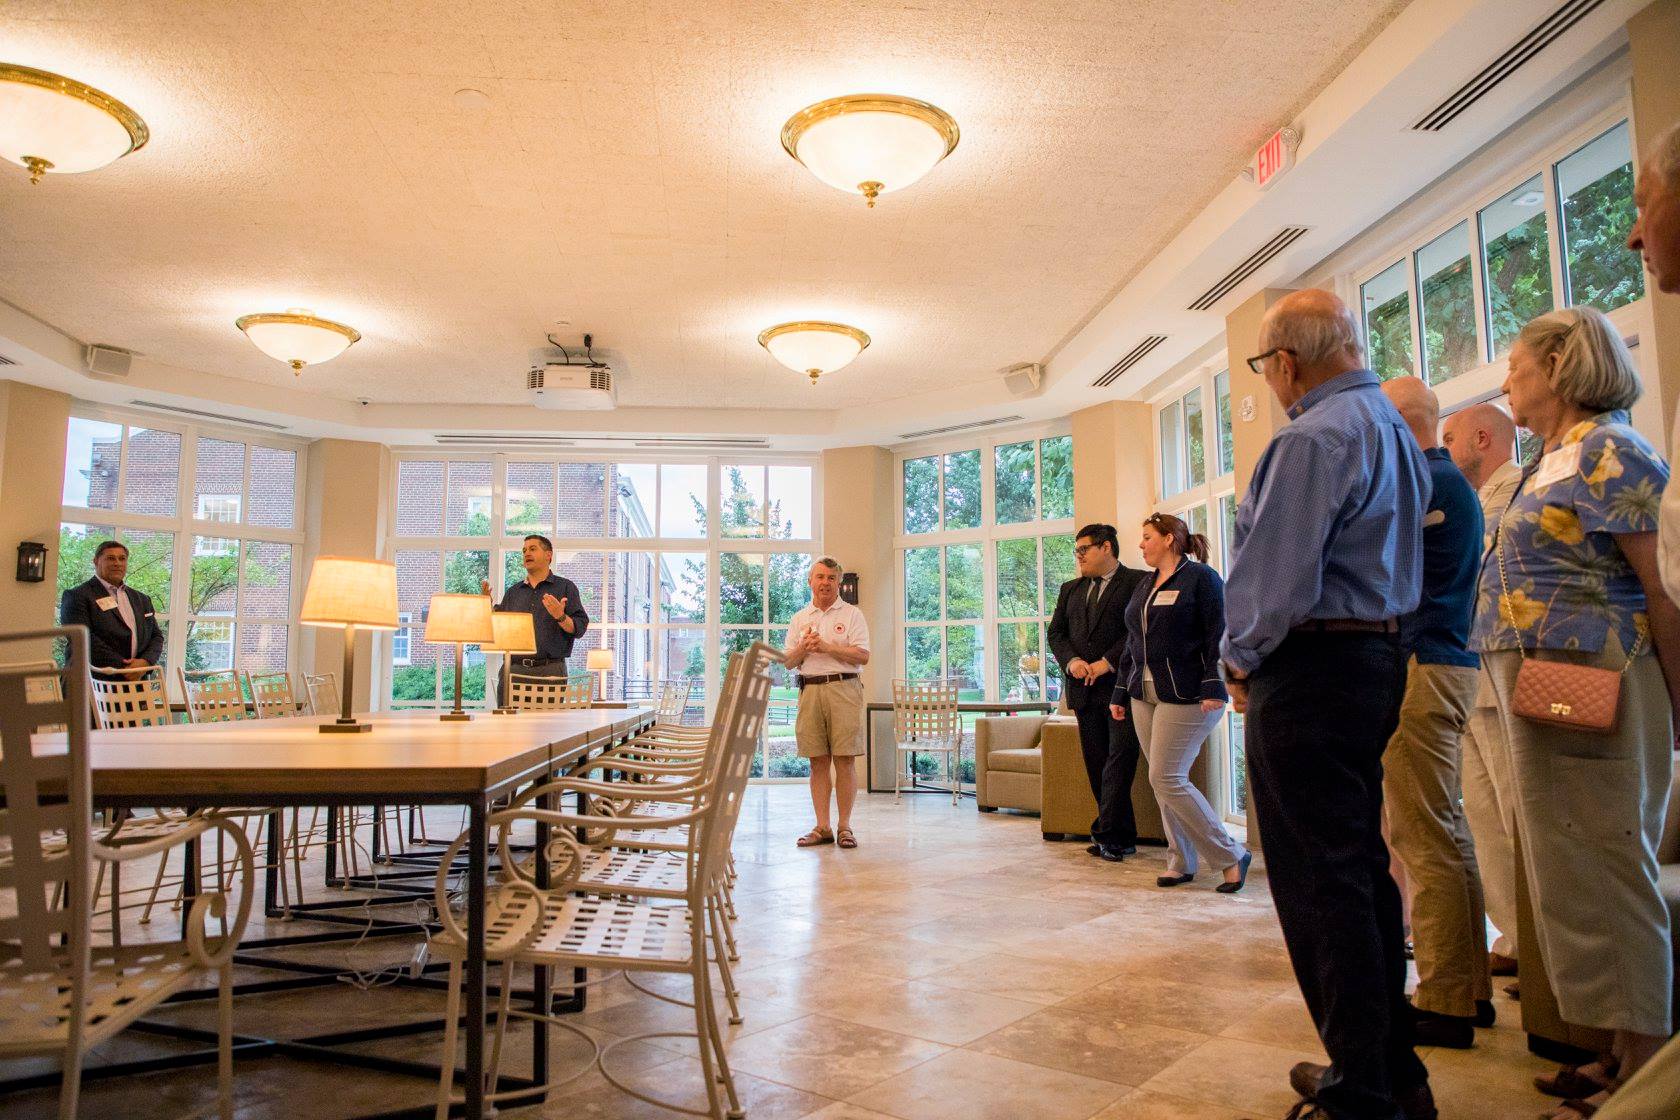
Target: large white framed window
<point>211,520</point>
<point>679,561</point>
<point>1446,298</point>
<point>1195,461</point>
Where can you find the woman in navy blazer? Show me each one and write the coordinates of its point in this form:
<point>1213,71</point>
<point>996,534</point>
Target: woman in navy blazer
<point>1169,684</point>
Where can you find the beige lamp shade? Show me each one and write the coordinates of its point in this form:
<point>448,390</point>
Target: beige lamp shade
<point>460,618</point>
<point>351,591</point>
<point>516,632</point>
<point>600,659</point>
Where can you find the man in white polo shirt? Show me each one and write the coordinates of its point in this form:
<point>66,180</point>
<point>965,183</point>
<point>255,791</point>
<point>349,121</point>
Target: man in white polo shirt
<point>828,642</point>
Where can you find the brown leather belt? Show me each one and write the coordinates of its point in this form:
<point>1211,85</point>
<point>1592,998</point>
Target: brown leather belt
<point>803,681</point>
<point>1346,626</point>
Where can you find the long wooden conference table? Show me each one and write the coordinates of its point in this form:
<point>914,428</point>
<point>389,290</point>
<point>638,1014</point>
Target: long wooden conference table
<point>409,758</point>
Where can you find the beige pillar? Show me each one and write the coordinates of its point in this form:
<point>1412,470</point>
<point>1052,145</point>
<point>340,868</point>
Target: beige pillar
<point>348,490</point>
<point>1255,414</point>
<point>1653,50</point>
<point>33,427</point>
<point>1114,469</point>
<point>858,504</point>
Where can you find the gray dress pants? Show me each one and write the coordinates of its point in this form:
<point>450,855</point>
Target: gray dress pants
<point>1171,736</point>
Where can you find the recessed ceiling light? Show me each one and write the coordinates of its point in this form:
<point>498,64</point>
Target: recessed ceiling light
<point>52,123</point>
<point>871,143</point>
<point>473,100</point>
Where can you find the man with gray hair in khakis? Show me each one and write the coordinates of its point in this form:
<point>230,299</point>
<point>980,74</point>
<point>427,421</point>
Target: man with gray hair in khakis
<point>828,642</point>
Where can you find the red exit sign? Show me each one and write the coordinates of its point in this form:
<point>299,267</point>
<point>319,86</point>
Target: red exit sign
<point>1275,156</point>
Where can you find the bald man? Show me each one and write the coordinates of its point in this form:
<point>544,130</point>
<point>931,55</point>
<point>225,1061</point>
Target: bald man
<point>1481,439</point>
<point>1327,557</point>
<point>1426,823</point>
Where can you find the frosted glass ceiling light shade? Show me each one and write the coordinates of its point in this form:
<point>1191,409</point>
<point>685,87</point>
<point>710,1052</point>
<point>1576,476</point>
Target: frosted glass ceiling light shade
<point>812,347</point>
<point>871,143</point>
<point>296,337</point>
<point>52,123</point>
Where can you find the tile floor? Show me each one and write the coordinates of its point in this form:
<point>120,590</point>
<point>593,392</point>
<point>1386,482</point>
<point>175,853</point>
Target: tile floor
<point>954,965</point>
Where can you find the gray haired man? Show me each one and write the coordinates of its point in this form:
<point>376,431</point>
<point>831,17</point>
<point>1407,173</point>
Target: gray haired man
<point>1656,236</point>
<point>828,642</point>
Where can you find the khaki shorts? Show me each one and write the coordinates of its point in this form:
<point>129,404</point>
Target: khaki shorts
<point>830,719</point>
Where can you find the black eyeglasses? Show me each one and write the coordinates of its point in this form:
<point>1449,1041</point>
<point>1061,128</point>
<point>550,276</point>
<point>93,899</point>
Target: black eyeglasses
<point>1258,360</point>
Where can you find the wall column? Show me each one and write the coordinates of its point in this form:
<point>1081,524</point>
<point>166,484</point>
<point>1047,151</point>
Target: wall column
<point>1256,415</point>
<point>1653,47</point>
<point>1114,469</point>
<point>858,507</point>
<point>347,495</point>
<point>33,427</point>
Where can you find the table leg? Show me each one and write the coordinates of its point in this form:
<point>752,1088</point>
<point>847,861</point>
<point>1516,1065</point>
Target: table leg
<point>332,846</point>
<point>477,868</point>
<point>540,992</point>
<point>272,873</point>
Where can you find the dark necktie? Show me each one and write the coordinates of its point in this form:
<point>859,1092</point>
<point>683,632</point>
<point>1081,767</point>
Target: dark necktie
<point>1091,597</point>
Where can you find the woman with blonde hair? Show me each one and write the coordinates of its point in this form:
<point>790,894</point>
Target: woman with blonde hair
<point>1572,578</point>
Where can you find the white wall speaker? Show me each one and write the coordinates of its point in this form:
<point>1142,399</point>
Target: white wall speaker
<point>1023,379</point>
<point>107,361</point>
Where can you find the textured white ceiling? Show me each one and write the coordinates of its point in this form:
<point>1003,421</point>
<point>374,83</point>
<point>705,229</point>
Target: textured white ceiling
<point>626,176</point>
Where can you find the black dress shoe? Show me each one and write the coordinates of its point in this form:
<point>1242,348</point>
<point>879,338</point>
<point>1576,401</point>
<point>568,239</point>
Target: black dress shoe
<point>1485,1014</point>
<point>1094,850</point>
<point>1418,1102</point>
<point>1172,880</point>
<point>1114,855</point>
<point>1455,1032</point>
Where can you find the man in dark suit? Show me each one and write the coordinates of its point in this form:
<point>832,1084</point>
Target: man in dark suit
<point>122,623</point>
<point>1087,633</point>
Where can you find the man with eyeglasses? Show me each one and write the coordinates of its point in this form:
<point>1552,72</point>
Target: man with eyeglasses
<point>1087,635</point>
<point>1326,558</point>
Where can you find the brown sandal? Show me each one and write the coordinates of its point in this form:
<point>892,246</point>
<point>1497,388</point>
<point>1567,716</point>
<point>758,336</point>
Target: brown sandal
<point>1570,1082</point>
<point>818,835</point>
<point>847,839</point>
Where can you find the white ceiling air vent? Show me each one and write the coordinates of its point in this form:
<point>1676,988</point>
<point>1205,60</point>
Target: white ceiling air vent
<point>1251,264</point>
<point>580,386</point>
<point>220,417</point>
<point>469,439</point>
<point>5,361</point>
<point>1543,35</point>
<point>959,427</point>
<point>1133,356</point>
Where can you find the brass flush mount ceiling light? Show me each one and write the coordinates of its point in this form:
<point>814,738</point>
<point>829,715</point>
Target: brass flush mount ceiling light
<point>52,123</point>
<point>813,347</point>
<point>871,143</point>
<point>297,338</point>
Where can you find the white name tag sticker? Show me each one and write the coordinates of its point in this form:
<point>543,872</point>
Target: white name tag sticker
<point>109,603</point>
<point>1166,598</point>
<point>1558,465</point>
<point>1434,517</point>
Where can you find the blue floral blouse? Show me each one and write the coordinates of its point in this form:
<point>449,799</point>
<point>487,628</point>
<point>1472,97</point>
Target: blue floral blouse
<point>1569,583</point>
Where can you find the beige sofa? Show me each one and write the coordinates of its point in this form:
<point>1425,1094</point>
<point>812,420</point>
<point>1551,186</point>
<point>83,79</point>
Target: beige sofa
<point>1034,763</point>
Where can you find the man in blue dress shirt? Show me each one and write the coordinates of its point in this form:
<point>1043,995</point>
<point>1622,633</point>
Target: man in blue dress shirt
<point>1326,558</point>
<point>555,606</point>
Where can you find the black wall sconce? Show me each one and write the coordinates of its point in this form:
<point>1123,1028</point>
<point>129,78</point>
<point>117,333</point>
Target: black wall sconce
<point>32,562</point>
<point>849,588</point>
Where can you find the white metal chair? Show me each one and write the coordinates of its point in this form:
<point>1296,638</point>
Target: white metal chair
<point>926,721</point>
<point>128,699</point>
<point>60,995</point>
<point>610,923</point>
<point>673,700</point>
<point>549,693</point>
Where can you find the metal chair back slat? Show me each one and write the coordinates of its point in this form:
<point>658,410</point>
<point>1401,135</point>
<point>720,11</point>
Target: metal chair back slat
<point>214,696</point>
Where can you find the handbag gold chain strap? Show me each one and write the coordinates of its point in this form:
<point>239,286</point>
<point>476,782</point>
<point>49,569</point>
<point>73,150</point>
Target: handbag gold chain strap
<point>1505,586</point>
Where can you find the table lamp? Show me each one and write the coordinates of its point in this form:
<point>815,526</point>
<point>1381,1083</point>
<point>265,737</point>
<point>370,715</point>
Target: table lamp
<point>516,632</point>
<point>601,661</point>
<point>459,619</point>
<point>351,592</point>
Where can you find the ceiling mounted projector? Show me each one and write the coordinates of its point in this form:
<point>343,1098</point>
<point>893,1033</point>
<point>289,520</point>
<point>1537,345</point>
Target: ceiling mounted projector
<point>582,387</point>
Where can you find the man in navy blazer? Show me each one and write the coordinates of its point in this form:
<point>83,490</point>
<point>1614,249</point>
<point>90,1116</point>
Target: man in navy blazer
<point>1087,634</point>
<point>122,623</point>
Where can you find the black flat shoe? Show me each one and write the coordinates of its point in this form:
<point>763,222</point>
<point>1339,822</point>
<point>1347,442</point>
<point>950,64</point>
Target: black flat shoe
<point>1454,1032</point>
<point>1093,850</point>
<point>1242,875</point>
<point>1486,1016</point>
<point>1114,855</point>
<point>1173,880</point>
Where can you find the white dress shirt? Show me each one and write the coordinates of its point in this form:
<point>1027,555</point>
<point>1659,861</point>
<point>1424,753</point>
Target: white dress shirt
<point>125,608</point>
<point>841,624</point>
